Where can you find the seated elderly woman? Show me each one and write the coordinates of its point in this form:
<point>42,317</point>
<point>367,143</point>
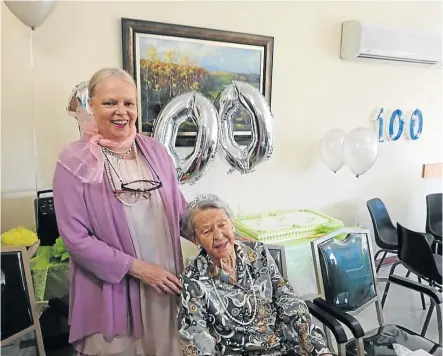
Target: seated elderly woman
<point>234,300</point>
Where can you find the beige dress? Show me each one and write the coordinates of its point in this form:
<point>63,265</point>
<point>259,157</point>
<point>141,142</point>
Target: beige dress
<point>152,243</point>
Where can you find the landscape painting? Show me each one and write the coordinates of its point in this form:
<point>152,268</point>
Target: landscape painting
<point>168,60</point>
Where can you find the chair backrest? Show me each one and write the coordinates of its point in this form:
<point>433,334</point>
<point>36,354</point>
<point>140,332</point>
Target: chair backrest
<point>279,255</point>
<point>345,271</point>
<point>416,254</point>
<point>434,212</point>
<point>382,223</point>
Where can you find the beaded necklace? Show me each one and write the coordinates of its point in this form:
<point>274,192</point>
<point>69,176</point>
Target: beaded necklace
<point>119,156</point>
<point>225,307</point>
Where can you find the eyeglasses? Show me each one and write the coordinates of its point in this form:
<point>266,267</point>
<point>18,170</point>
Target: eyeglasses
<point>131,192</point>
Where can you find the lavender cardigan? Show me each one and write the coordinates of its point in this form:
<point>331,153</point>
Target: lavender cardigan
<point>93,227</point>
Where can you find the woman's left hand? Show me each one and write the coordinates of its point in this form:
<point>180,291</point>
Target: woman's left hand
<point>156,277</point>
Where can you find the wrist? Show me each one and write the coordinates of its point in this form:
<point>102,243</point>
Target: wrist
<point>135,269</point>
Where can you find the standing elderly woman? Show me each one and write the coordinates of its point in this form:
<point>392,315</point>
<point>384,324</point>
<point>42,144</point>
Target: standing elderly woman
<point>234,300</point>
<point>118,208</point>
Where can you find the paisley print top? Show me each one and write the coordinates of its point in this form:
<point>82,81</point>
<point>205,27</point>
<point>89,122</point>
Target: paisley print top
<point>258,314</point>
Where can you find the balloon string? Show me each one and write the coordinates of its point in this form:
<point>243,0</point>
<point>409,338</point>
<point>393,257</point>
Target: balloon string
<point>239,195</point>
<point>357,202</point>
<point>34,133</point>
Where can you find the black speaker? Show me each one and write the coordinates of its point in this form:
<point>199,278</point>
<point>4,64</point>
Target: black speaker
<point>47,230</point>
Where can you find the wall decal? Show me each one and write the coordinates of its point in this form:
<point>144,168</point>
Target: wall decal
<point>396,127</point>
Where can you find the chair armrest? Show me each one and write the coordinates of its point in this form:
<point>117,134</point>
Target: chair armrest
<point>418,287</point>
<point>331,323</point>
<point>59,306</point>
<point>341,316</point>
<point>434,233</point>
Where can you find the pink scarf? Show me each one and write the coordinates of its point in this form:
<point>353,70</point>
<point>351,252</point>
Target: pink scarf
<point>85,158</point>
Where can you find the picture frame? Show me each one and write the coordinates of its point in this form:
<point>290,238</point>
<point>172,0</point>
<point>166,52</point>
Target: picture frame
<point>20,320</point>
<point>167,60</point>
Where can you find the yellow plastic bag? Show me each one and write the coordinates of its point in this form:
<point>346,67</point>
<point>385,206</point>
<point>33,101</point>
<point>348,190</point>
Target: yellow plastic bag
<point>19,236</point>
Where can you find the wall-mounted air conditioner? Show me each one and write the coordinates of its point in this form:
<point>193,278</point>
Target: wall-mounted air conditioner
<point>365,41</point>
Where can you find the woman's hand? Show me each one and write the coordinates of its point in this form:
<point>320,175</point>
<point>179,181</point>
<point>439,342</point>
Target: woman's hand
<point>156,277</point>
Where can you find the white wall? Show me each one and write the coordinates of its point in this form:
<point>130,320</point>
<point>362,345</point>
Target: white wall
<point>313,91</point>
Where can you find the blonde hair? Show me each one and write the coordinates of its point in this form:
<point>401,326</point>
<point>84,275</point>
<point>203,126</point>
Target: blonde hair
<point>105,73</point>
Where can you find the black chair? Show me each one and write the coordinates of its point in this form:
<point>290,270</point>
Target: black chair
<point>279,255</point>
<point>417,256</point>
<point>434,217</point>
<point>346,278</point>
<point>386,236</point>
<point>385,233</point>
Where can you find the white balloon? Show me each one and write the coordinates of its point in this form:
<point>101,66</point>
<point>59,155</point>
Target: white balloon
<point>31,13</point>
<point>331,149</point>
<point>360,150</point>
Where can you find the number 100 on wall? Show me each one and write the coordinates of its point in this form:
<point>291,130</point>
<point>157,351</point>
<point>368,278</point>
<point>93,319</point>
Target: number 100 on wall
<point>396,126</point>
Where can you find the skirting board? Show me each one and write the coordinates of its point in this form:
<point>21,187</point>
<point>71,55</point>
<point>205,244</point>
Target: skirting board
<point>433,170</point>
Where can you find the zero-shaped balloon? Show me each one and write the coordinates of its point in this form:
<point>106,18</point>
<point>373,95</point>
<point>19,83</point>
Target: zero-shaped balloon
<point>79,95</point>
<point>244,95</point>
<point>199,109</point>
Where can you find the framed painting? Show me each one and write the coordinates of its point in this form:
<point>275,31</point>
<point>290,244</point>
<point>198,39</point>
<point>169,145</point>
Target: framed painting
<point>167,60</point>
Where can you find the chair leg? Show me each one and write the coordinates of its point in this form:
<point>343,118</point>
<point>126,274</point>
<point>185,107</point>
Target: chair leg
<point>427,320</point>
<point>439,324</point>
<point>422,297</point>
<point>388,284</point>
<point>341,350</point>
<point>382,259</point>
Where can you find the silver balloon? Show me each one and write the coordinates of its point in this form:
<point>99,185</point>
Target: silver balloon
<point>234,96</point>
<point>31,13</point>
<point>79,95</point>
<point>331,149</point>
<point>197,107</point>
<point>360,150</point>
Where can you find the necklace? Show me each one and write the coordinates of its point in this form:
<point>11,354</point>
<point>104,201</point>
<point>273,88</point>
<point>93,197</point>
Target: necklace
<point>223,266</point>
<point>120,155</point>
<point>111,180</point>
<point>225,308</point>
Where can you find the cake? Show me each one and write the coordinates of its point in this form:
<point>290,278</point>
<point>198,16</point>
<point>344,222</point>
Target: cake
<point>277,226</point>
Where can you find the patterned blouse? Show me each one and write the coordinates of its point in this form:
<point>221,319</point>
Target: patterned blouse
<point>259,314</point>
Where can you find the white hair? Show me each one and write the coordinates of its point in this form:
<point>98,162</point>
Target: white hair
<point>105,73</point>
<point>202,202</point>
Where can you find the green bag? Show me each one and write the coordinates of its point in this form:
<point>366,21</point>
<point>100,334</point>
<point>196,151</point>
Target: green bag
<point>50,271</point>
